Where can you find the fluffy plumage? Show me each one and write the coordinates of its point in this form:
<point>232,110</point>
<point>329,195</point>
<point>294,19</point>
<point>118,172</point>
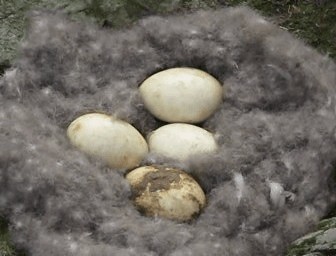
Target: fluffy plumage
<point>269,183</point>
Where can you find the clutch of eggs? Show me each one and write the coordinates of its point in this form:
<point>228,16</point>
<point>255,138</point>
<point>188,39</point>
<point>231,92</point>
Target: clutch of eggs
<point>166,192</point>
<point>179,95</point>
<point>184,95</point>
<point>114,141</point>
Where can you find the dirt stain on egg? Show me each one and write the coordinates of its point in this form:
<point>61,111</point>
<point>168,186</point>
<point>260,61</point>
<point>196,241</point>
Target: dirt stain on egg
<point>162,179</point>
<point>76,127</point>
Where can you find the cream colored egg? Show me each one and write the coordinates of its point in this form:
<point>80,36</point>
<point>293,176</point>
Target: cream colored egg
<point>166,192</point>
<point>185,95</point>
<point>180,141</point>
<point>114,141</point>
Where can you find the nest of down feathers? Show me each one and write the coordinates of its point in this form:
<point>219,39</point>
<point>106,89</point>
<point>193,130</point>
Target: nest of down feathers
<point>269,183</point>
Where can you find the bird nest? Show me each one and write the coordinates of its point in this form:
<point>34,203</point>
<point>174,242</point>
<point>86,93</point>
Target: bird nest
<point>269,182</point>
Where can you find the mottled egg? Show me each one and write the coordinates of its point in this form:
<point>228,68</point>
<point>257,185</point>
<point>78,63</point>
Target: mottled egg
<point>166,192</point>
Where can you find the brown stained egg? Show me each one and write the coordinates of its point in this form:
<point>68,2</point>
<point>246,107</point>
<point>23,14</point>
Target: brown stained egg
<point>166,192</point>
<point>185,95</point>
<point>112,140</point>
<point>181,141</point>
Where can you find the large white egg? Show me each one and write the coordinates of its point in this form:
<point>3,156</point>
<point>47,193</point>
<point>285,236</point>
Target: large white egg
<point>185,95</point>
<point>166,192</point>
<point>114,141</point>
<point>180,141</point>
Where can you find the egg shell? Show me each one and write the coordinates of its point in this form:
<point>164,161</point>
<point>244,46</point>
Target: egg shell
<point>185,95</point>
<point>180,141</point>
<point>166,192</point>
<point>112,140</point>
